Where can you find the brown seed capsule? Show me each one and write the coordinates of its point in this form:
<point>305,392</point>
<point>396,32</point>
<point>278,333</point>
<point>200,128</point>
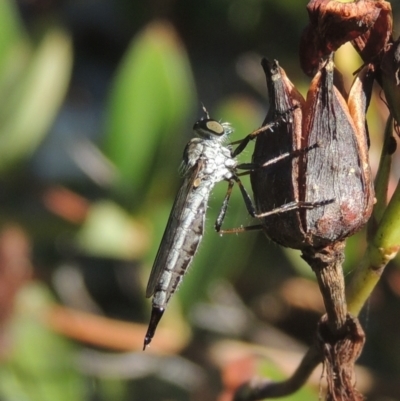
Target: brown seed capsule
<point>336,168</point>
<point>278,184</point>
<point>339,167</point>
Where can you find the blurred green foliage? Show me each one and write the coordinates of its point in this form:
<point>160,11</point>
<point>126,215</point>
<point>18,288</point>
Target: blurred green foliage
<point>152,95</point>
<point>33,83</point>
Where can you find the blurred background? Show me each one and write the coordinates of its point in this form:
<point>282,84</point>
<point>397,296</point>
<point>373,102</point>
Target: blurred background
<point>97,101</point>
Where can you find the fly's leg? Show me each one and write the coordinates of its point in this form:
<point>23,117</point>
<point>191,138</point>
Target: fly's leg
<point>249,167</point>
<point>244,142</point>
<point>224,207</point>
<point>295,205</point>
<point>249,206</point>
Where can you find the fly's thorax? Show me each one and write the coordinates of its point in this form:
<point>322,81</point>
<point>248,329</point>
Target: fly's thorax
<point>218,161</point>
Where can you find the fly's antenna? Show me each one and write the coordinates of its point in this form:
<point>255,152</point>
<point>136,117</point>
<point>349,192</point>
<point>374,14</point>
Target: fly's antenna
<point>205,110</point>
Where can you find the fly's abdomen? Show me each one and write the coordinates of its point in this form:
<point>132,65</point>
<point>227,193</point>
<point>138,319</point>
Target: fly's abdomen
<point>186,242</point>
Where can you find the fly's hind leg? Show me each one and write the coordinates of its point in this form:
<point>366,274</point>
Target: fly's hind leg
<point>295,205</point>
<point>249,206</point>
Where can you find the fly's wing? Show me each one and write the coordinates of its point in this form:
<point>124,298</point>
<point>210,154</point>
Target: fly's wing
<point>173,222</point>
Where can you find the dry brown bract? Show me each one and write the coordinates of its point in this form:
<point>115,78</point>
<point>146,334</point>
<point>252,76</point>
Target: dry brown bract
<point>368,24</point>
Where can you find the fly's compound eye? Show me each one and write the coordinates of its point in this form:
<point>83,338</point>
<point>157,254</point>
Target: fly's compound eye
<point>215,127</point>
<point>208,128</point>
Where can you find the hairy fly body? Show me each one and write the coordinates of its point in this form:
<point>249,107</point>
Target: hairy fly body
<point>206,161</point>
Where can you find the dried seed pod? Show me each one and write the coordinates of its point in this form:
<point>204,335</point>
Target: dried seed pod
<point>339,167</point>
<point>372,44</point>
<point>278,184</point>
<point>368,23</point>
<point>336,167</point>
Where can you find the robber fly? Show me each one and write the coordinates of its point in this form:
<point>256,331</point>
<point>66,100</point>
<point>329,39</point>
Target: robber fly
<point>206,161</point>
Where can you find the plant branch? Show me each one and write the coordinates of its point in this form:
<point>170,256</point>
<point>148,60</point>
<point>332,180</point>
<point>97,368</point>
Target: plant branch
<point>256,390</point>
<point>327,266</point>
<point>383,231</point>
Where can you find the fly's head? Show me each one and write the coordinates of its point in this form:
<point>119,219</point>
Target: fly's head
<point>208,128</point>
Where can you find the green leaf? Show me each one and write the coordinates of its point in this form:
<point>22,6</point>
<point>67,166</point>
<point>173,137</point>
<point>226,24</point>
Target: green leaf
<point>36,99</point>
<point>152,95</point>
<point>10,30</point>
<point>110,232</point>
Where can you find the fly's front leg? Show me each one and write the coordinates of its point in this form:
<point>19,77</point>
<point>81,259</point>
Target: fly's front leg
<point>244,142</point>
